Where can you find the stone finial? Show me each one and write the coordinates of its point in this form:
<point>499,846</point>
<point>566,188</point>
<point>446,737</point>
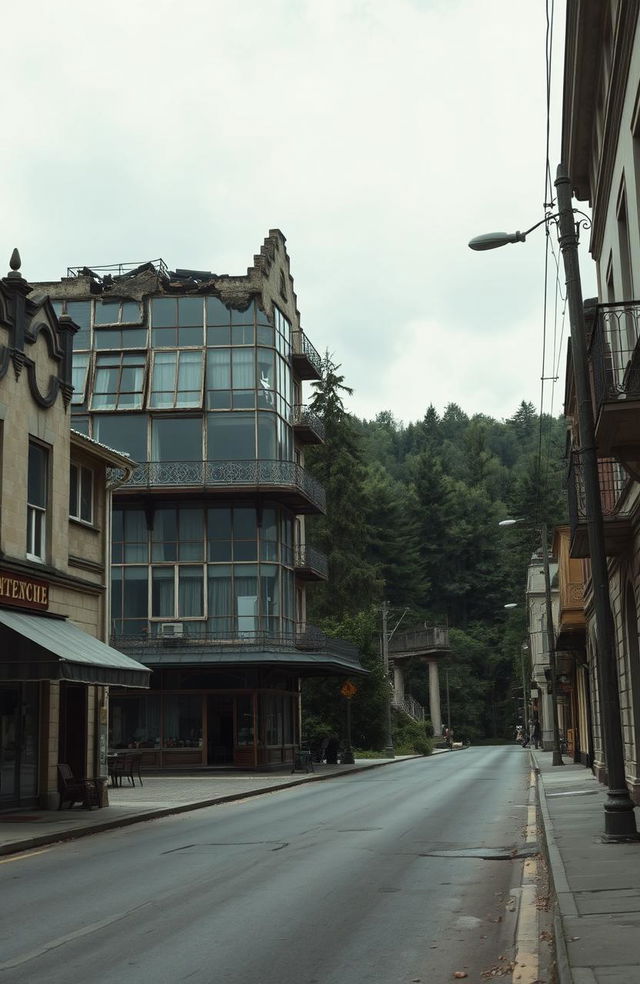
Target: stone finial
<point>15,262</point>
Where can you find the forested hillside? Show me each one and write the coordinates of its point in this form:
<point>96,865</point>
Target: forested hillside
<point>413,514</point>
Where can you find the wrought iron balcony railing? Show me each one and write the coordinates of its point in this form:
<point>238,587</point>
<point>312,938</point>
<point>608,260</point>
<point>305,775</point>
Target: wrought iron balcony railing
<point>303,417</point>
<point>302,348</point>
<point>233,474</point>
<point>615,352</point>
<point>612,479</point>
<point>312,559</point>
<point>307,639</point>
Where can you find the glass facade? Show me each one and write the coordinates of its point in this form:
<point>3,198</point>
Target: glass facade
<point>229,369</point>
<point>223,571</point>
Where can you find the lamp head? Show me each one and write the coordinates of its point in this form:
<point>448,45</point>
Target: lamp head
<point>512,604</point>
<point>493,240</point>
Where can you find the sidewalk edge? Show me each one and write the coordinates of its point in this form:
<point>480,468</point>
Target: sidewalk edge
<point>558,880</point>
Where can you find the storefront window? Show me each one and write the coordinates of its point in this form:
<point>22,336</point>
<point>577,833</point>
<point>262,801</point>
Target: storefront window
<point>182,721</point>
<point>134,721</point>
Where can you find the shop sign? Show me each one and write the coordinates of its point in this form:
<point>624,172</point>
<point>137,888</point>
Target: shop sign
<point>23,592</point>
<point>348,689</point>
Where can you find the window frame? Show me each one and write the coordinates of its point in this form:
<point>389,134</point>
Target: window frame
<point>84,474</point>
<point>117,358</point>
<point>158,355</point>
<point>37,512</point>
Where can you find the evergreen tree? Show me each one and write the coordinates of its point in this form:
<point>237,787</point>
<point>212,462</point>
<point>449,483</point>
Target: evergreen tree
<point>354,583</point>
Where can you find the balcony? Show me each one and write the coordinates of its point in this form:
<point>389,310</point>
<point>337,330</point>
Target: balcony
<point>282,480</point>
<point>430,641</point>
<point>617,525</point>
<point>305,360</point>
<point>571,621</point>
<point>308,647</point>
<point>310,564</point>
<point>307,426</point>
<point>615,360</point>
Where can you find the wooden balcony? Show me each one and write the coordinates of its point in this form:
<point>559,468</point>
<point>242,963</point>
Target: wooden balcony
<point>615,362</point>
<point>617,523</point>
<point>571,621</point>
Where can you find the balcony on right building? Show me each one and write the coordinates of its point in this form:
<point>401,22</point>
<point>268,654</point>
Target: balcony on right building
<point>614,482</point>
<point>615,361</point>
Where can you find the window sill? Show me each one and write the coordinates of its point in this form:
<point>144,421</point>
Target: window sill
<point>84,524</point>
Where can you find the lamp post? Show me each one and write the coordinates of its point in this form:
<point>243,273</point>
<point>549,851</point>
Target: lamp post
<point>525,697</point>
<point>619,817</point>
<point>551,642</point>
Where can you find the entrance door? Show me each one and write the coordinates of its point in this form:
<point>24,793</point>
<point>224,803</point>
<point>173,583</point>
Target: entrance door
<point>9,704</point>
<point>73,727</point>
<point>219,730</point>
<point>18,743</point>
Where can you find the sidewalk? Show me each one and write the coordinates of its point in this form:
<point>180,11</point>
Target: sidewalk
<point>597,885</point>
<point>160,796</point>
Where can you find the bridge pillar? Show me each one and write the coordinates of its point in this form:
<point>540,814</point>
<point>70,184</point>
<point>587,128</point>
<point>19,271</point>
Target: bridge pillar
<point>398,682</point>
<point>434,697</point>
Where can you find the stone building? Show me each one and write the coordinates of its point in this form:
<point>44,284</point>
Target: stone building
<point>601,149</point>
<point>199,377</point>
<point>54,534</point>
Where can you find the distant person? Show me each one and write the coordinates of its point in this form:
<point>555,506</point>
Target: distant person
<point>536,733</point>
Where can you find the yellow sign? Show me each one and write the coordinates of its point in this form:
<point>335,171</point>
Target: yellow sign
<point>348,689</point>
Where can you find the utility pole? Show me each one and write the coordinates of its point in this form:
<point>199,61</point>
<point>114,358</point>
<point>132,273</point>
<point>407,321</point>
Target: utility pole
<point>619,817</point>
<point>551,647</point>
<point>388,748</point>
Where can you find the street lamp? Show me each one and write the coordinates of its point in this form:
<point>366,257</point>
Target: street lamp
<point>551,642</point>
<point>619,818</point>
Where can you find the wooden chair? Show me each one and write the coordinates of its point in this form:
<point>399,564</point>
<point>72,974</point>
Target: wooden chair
<point>74,790</point>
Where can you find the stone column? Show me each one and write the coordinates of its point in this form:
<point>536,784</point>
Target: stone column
<point>434,697</point>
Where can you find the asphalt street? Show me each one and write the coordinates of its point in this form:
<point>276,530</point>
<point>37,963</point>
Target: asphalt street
<point>395,875</point>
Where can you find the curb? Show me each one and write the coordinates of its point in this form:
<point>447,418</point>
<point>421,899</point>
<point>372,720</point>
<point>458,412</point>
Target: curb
<point>28,844</point>
<point>563,901</point>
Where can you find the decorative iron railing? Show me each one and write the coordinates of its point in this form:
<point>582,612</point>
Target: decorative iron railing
<point>215,474</point>
<point>304,416</point>
<point>615,352</point>
<point>312,559</point>
<point>117,269</point>
<point>409,706</point>
<point>613,480</point>
<point>302,346</point>
<point>417,640</point>
<point>308,639</point>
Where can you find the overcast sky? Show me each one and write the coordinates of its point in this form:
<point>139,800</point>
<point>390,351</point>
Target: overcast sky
<point>378,135</point>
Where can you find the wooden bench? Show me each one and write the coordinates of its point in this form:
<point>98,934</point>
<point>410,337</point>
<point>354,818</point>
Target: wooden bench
<point>74,790</point>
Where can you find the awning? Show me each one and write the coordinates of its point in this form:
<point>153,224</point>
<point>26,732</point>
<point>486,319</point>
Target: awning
<point>37,647</point>
<point>307,663</point>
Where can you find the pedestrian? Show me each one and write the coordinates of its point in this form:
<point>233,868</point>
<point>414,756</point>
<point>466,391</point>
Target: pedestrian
<point>535,733</point>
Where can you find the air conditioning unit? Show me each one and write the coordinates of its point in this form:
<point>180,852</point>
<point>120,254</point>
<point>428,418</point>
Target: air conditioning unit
<point>171,630</point>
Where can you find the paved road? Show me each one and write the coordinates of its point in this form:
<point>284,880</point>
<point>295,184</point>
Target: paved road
<point>376,877</point>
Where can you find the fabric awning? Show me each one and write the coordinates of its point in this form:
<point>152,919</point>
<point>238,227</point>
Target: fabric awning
<point>37,647</point>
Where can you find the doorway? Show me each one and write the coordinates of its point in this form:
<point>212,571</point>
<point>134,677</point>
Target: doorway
<point>219,730</point>
<point>18,744</point>
<point>72,734</point>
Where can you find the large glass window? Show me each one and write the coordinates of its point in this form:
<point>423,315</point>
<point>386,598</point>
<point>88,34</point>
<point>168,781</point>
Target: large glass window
<point>37,498</point>
<point>231,383</point>
<point>134,721</point>
<point>125,432</point>
<point>178,534</point>
<point>119,381</point>
<point>120,338</point>
<point>182,724</point>
<point>114,312</point>
<point>129,536</point>
<point>177,321</point>
<point>79,373</point>
<point>231,436</point>
<point>80,313</point>
<point>176,379</point>
<point>129,600</point>
<point>176,439</point>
